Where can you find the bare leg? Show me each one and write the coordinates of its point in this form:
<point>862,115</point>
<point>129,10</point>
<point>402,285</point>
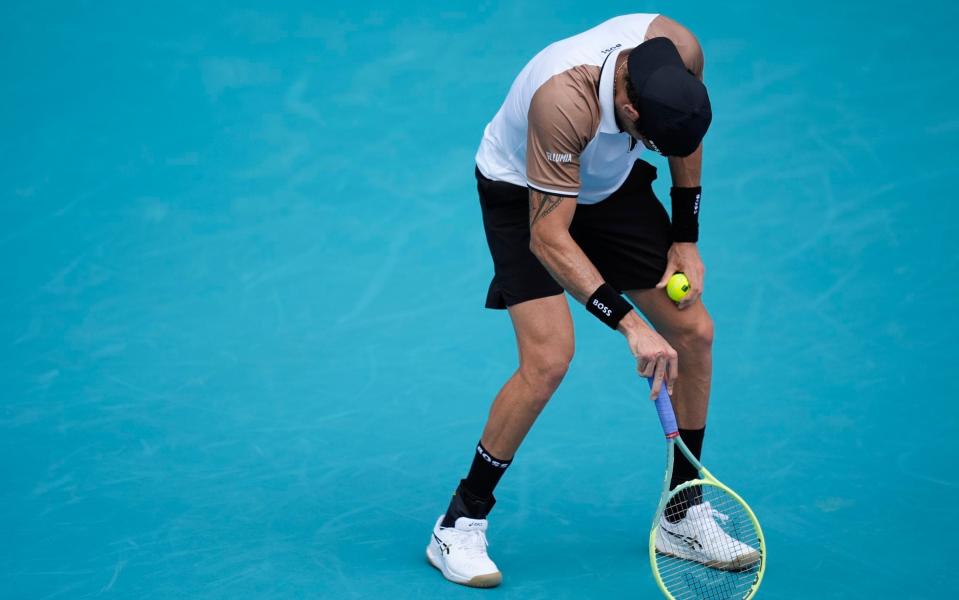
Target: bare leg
<point>544,334</point>
<point>690,332</point>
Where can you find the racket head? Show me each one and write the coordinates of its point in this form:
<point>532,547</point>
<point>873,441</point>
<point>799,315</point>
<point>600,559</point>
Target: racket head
<point>734,576</point>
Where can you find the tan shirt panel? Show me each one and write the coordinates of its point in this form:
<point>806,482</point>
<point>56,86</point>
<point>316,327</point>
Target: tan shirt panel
<point>563,117</point>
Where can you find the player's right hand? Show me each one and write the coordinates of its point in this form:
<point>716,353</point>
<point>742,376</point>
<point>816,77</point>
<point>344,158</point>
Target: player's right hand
<point>654,356</point>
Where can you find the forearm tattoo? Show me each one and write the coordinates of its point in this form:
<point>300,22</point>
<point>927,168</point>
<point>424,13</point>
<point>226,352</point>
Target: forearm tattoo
<point>541,205</point>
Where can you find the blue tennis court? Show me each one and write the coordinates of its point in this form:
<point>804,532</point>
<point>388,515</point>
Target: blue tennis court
<point>243,352</point>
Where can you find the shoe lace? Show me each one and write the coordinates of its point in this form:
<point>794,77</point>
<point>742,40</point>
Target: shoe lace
<point>707,516</point>
<point>715,513</point>
<point>473,543</point>
<point>712,530</point>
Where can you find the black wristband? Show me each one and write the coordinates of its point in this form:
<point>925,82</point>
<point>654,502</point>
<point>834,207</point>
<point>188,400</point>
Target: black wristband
<point>608,306</point>
<point>686,213</point>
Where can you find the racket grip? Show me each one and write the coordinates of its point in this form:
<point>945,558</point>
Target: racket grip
<point>664,407</point>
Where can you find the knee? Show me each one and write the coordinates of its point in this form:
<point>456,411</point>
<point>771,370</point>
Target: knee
<point>697,334</point>
<point>544,371</point>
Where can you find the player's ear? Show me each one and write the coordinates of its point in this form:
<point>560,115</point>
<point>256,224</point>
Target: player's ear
<point>630,111</point>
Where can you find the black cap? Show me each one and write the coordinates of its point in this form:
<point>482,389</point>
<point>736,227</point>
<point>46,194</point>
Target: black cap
<point>674,110</point>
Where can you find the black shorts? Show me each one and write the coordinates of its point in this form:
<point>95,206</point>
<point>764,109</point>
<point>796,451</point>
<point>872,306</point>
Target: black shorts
<point>626,236</point>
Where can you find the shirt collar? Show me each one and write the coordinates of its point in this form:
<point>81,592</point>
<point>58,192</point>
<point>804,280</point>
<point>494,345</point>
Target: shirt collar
<point>607,110</point>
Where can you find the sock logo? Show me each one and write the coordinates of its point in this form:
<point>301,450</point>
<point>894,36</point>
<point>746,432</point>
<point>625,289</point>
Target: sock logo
<point>496,463</point>
<point>603,308</point>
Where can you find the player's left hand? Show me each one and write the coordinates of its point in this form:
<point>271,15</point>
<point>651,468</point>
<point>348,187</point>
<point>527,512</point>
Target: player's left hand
<point>684,257</point>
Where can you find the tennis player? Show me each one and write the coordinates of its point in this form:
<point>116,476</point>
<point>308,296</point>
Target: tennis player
<point>568,206</point>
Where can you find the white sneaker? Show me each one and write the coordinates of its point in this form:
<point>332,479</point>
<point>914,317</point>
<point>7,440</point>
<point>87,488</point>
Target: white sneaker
<point>460,553</point>
<point>699,538</point>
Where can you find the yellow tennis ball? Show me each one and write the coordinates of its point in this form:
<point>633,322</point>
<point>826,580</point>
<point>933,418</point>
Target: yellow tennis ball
<point>677,287</point>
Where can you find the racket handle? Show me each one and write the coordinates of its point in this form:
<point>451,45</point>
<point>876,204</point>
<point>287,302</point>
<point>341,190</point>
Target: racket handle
<point>664,407</point>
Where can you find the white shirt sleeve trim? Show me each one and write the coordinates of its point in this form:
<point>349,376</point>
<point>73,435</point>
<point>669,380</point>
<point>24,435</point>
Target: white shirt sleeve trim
<point>546,190</point>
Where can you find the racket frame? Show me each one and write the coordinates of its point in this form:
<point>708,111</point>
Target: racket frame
<point>674,440</point>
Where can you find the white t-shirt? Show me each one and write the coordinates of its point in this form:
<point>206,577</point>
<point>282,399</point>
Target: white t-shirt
<point>556,131</point>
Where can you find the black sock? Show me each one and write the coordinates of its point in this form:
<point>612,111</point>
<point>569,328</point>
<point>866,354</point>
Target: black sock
<point>466,504</point>
<point>476,491</point>
<point>485,472</point>
<point>683,471</point>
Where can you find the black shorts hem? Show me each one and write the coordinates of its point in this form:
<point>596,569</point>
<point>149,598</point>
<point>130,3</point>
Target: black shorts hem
<point>498,298</point>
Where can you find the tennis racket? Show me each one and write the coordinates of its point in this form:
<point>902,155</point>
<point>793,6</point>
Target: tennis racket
<point>717,551</point>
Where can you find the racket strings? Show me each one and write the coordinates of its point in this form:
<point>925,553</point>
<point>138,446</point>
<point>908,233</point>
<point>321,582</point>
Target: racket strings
<point>712,552</point>
<point>676,507</point>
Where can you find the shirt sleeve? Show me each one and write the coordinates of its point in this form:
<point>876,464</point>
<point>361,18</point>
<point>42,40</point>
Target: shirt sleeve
<point>558,132</point>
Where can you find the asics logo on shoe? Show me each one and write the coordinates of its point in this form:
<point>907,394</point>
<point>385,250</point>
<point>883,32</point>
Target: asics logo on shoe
<point>691,542</point>
<point>442,544</point>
